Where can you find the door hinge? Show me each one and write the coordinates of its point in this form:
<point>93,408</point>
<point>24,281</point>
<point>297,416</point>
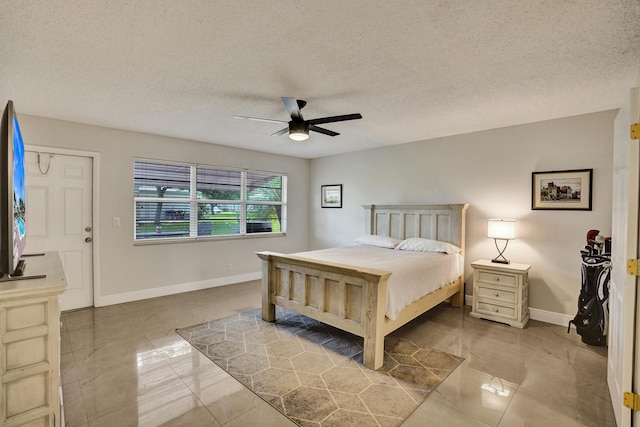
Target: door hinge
<point>631,400</point>
<point>635,130</point>
<point>632,267</point>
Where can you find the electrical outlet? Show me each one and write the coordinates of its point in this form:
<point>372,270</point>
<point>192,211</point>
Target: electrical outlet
<point>228,267</point>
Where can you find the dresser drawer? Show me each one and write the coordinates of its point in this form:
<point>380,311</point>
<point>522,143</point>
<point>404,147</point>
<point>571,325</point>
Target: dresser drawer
<point>501,295</point>
<point>26,315</point>
<point>497,278</point>
<point>496,310</point>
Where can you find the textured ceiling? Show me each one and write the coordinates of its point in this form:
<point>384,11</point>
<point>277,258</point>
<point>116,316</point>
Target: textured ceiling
<point>415,70</point>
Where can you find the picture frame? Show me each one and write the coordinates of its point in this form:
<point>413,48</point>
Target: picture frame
<point>331,196</point>
<point>562,190</point>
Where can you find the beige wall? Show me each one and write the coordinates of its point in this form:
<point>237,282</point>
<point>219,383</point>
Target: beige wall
<point>131,272</point>
<point>490,170</point>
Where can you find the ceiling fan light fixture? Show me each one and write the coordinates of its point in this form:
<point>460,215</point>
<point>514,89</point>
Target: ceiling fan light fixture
<point>298,131</point>
<point>299,128</point>
<point>299,136</point>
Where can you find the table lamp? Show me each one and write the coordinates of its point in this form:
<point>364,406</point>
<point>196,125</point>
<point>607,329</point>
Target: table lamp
<point>501,229</point>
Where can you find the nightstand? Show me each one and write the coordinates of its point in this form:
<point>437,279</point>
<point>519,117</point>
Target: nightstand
<point>501,292</point>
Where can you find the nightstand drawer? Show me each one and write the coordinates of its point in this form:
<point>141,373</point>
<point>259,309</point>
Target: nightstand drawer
<point>497,278</point>
<point>500,295</point>
<point>497,310</point>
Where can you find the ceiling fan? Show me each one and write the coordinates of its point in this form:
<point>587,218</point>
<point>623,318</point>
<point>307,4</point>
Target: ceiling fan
<point>299,128</point>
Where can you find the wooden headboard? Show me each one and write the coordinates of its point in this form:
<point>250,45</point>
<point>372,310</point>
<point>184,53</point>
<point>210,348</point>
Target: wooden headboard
<point>438,222</point>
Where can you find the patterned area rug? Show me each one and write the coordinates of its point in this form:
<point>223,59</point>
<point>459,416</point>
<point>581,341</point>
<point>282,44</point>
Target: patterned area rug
<point>313,373</point>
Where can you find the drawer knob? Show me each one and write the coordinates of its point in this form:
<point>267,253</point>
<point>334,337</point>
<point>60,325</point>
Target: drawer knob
<point>497,294</point>
<point>497,278</point>
<point>497,310</point>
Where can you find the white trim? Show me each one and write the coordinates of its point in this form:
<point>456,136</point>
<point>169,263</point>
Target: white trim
<point>102,301</point>
<point>549,316</point>
<point>468,300</point>
<point>559,319</point>
<point>194,201</point>
<point>65,151</point>
<point>95,160</point>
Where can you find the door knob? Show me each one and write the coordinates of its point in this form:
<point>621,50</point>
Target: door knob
<point>88,240</point>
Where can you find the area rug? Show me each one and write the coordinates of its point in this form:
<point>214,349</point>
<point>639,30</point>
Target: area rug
<point>313,373</point>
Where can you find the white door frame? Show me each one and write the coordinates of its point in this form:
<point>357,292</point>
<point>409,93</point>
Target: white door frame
<point>622,364</point>
<point>95,244</point>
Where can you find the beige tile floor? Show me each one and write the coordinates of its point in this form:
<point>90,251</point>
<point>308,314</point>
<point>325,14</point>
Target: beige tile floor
<point>124,365</point>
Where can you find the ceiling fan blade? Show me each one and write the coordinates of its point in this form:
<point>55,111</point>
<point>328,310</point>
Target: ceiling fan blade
<point>333,119</point>
<point>280,132</point>
<point>323,130</point>
<point>258,119</point>
<point>291,104</point>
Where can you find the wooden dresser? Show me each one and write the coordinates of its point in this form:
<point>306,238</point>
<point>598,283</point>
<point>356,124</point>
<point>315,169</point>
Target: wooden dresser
<point>501,292</point>
<point>30,344</point>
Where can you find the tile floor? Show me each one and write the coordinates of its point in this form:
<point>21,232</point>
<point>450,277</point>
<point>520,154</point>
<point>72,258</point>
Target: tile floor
<point>124,365</point>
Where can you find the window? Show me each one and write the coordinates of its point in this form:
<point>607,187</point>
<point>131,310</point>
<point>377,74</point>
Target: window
<point>174,201</point>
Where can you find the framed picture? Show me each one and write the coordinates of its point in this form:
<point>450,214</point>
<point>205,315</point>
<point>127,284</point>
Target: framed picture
<point>562,190</point>
<point>331,196</point>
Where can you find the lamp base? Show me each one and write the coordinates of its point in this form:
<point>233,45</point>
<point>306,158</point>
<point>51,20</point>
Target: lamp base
<point>500,259</point>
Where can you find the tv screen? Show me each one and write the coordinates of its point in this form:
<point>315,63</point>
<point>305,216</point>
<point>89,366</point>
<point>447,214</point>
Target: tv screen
<point>12,195</point>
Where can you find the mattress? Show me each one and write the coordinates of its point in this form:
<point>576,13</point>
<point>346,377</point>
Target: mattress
<point>414,274</point>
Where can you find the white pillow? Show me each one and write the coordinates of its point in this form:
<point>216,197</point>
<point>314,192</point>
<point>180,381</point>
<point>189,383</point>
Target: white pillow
<point>378,241</point>
<point>417,244</point>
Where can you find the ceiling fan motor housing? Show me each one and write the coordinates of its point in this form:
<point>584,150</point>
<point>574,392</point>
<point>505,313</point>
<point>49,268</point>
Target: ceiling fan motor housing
<point>298,130</point>
<point>298,127</point>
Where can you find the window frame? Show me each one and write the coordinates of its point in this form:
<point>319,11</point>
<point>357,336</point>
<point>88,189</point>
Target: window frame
<point>194,202</point>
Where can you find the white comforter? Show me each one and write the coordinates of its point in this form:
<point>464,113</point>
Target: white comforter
<point>414,274</point>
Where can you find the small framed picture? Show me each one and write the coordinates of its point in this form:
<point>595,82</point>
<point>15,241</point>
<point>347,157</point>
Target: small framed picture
<point>331,196</point>
<point>562,190</point>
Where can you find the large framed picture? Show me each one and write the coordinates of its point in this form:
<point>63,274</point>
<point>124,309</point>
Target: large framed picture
<point>562,190</point>
<point>331,196</point>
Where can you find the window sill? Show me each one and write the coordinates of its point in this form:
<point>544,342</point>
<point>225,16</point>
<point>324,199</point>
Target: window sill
<point>169,240</point>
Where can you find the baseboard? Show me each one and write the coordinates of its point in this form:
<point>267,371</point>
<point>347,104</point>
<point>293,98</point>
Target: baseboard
<point>468,300</point>
<point>534,313</point>
<point>549,316</point>
<point>173,289</point>
<point>537,314</point>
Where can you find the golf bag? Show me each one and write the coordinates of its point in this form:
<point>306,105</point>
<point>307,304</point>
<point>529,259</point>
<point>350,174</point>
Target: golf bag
<point>593,303</point>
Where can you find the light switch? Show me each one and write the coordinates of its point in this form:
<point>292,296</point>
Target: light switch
<point>116,221</point>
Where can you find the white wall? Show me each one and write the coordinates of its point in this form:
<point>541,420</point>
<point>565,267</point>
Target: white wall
<point>128,272</point>
<point>490,170</point>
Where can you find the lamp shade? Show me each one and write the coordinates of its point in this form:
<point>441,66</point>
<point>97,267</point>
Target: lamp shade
<point>501,229</point>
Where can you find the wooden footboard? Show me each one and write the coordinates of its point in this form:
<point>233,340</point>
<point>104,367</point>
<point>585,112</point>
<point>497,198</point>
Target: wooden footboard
<point>349,298</point>
<point>354,299</point>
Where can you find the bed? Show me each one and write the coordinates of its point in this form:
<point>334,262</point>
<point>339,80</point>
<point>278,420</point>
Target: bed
<point>354,297</point>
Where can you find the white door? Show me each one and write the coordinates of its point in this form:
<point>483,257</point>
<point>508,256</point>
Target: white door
<point>59,218</point>
<point>624,240</point>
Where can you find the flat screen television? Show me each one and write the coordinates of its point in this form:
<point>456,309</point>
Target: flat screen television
<point>13,237</point>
